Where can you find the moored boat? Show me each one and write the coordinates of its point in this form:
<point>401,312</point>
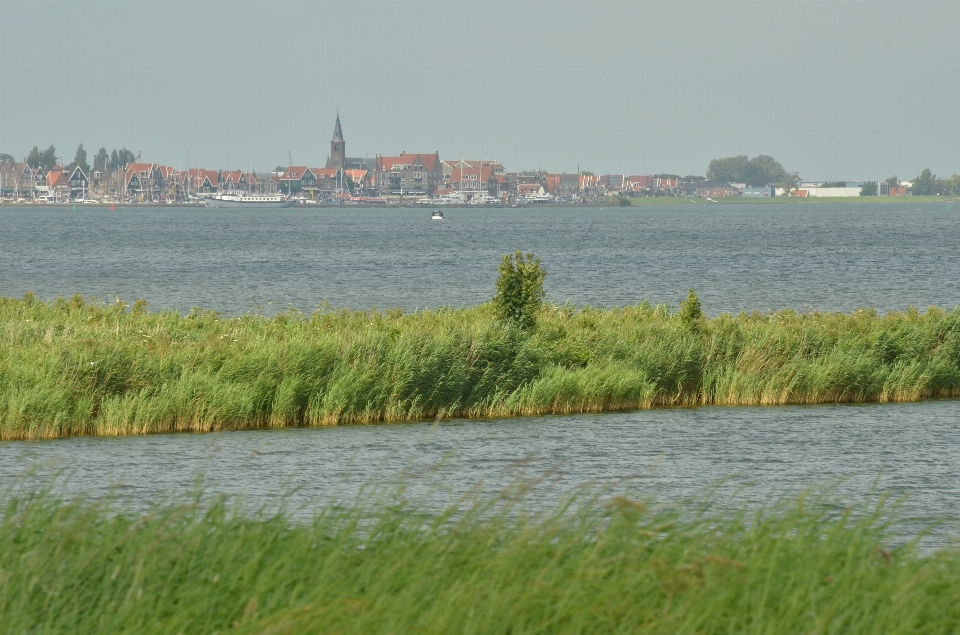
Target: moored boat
<point>246,199</point>
<point>437,215</point>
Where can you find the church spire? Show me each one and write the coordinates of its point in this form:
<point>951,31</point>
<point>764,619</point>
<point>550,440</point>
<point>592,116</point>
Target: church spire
<point>337,132</point>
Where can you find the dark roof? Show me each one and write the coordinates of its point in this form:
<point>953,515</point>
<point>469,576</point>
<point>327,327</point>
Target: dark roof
<point>337,132</point>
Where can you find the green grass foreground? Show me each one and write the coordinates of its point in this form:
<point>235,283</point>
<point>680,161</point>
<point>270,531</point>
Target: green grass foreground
<point>75,368</point>
<point>593,567</point>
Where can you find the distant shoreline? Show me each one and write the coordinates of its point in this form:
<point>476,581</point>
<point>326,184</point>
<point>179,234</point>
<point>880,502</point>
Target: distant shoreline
<point>643,201</point>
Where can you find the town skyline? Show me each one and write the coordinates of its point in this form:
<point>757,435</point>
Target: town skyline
<point>832,90</point>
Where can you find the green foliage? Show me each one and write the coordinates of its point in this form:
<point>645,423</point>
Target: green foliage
<point>120,158</point>
<point>760,170</point>
<point>622,201</point>
<point>520,291</point>
<point>893,181</point>
<point>80,159</point>
<point>869,189</point>
<point>693,178</point>
<point>601,564</point>
<point>925,184</point>
<point>74,367</point>
<point>101,159</point>
<point>45,159</point>
<point>690,310</point>
<point>834,184</point>
<point>789,182</point>
<point>6,158</point>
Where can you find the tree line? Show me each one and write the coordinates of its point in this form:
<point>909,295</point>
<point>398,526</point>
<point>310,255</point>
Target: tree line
<point>926,184</point>
<point>759,171</point>
<point>48,158</point>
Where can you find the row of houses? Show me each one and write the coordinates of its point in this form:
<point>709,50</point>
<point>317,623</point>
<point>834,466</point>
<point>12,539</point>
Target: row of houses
<point>415,175</point>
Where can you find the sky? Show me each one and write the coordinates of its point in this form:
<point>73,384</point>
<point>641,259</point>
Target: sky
<point>835,90</point>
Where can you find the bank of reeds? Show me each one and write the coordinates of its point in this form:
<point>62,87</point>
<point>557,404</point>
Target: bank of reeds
<point>618,566</point>
<point>74,367</point>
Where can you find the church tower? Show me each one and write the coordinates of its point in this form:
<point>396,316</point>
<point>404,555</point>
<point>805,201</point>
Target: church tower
<point>338,147</point>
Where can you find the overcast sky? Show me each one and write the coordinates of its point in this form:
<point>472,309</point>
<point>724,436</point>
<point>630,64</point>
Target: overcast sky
<point>834,90</point>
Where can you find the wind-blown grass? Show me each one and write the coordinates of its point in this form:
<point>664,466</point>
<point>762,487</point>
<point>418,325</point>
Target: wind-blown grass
<point>74,367</point>
<point>591,567</point>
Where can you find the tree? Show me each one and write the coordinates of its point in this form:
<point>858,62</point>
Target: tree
<point>101,159</point>
<point>925,184</point>
<point>760,170</point>
<point>893,181</point>
<point>48,158</point>
<point>869,189</point>
<point>43,159</point>
<point>520,291</point>
<point>728,169</point>
<point>80,159</point>
<point>6,158</point>
<point>693,178</point>
<point>121,158</point>
<point>955,185</point>
<point>691,312</point>
<point>789,183</point>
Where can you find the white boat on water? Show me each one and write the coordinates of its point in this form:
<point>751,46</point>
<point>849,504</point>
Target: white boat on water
<point>437,215</point>
<point>247,199</point>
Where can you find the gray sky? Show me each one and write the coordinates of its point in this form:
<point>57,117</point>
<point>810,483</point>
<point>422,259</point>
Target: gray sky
<point>834,90</point>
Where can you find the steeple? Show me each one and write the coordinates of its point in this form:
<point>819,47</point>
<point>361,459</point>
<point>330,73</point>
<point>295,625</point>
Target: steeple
<point>337,132</point>
<point>338,147</point>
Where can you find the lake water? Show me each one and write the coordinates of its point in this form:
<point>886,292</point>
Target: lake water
<point>739,257</point>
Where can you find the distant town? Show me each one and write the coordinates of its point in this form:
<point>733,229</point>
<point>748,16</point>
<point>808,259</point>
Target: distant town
<point>411,178</point>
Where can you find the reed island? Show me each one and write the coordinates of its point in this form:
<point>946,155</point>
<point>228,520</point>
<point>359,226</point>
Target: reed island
<point>76,367</point>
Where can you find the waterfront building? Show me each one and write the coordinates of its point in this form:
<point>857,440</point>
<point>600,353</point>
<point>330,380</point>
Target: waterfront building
<point>471,179</point>
<point>715,189</point>
<point>766,191</point>
<point>296,179</point>
<point>233,180</point>
<point>146,181</point>
<point>78,183</point>
<point>613,182</point>
<point>414,174</point>
<point>329,181</point>
<point>199,181</point>
<point>17,180</point>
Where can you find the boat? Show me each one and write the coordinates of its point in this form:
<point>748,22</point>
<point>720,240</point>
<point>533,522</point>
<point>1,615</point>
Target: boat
<point>246,199</point>
<point>437,215</point>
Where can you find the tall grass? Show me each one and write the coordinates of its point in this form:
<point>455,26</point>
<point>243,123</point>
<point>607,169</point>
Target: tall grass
<point>74,367</point>
<point>591,567</point>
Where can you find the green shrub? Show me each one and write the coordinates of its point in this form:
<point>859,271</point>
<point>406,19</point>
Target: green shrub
<point>690,310</point>
<point>519,290</point>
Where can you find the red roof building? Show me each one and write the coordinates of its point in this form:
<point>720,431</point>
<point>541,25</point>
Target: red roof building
<point>408,173</point>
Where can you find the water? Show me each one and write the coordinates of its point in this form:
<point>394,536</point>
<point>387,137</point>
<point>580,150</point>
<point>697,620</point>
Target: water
<point>910,450</point>
<point>739,257</point>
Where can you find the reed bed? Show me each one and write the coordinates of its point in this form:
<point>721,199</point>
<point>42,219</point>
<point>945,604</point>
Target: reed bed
<point>592,566</point>
<point>77,367</point>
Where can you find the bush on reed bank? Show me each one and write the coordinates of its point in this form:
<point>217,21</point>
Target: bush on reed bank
<point>620,566</point>
<point>75,367</point>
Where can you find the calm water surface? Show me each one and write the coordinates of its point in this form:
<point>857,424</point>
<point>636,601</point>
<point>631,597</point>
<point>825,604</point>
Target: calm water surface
<point>830,257</point>
<point>908,450</point>
<point>739,257</point>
